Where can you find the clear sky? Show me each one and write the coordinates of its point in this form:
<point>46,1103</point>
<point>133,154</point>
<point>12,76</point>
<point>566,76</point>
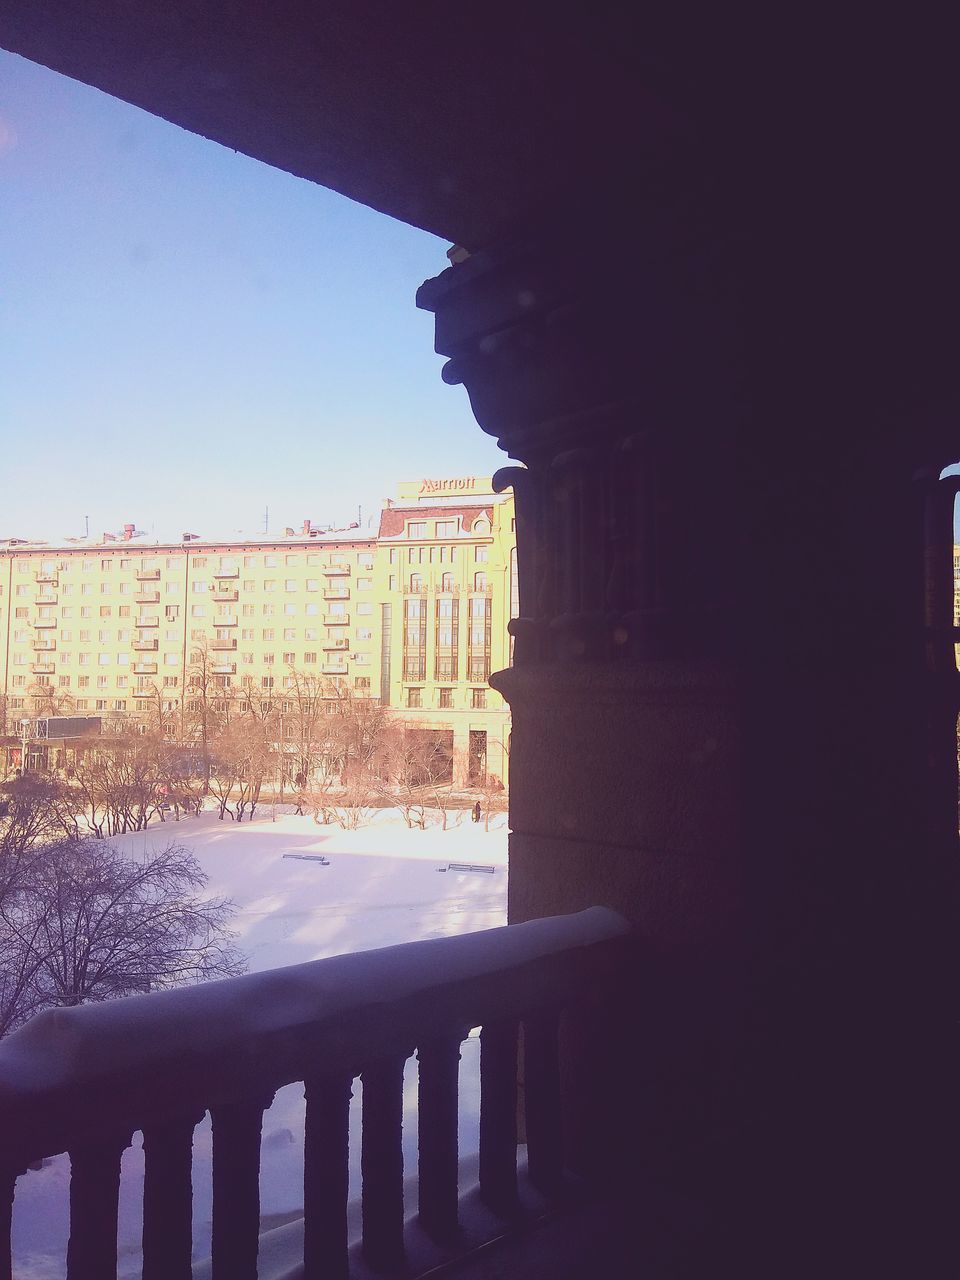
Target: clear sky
<point>188,336</point>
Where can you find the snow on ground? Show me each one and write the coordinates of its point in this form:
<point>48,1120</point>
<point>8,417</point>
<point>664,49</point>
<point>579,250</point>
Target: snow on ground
<point>382,886</point>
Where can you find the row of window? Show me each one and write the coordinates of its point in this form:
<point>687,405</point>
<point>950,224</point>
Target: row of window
<point>437,555</point>
<point>171,612</point>
<point>478,698</point>
<point>226,564</point>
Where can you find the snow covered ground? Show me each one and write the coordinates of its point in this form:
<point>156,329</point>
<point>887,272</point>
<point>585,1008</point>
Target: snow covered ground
<point>382,885</point>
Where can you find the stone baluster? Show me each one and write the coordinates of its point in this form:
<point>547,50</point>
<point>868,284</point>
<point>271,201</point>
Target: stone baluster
<point>381,1164</point>
<point>499,1042</point>
<point>326,1177</point>
<point>94,1196</point>
<point>437,1134</point>
<point>542,1109</point>
<point>168,1198</point>
<point>237,1128</point>
<point>8,1185</point>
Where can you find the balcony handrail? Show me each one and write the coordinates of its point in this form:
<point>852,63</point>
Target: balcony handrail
<point>83,1079</point>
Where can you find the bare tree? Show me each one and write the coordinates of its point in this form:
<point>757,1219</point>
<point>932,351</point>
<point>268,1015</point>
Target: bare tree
<point>88,923</point>
<point>50,700</point>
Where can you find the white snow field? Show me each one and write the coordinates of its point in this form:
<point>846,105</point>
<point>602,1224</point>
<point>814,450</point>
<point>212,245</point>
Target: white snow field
<point>380,886</point>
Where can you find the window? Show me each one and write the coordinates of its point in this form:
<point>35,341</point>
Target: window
<point>311,609</point>
<point>393,582</point>
<point>289,610</point>
<point>414,697</point>
<point>289,633</point>
<point>198,611</point>
<point>198,586</point>
<point>446,528</point>
<point>102,682</point>
<point>86,589</point>
<point>121,682</point>
<point>394,555</point>
<point>478,699</point>
<point>416,582</point>
<point>123,611</point>
<point>310,657</point>
<point>249,562</point>
<point>289,584</point>
<point>171,612</point>
<point>83,682</point>
<point>246,633</point>
<point>269,633</point>
<point>313,584</point>
<point>290,658</point>
<point>361,682</point>
<point>248,610</point>
<point>171,562</point>
<point>417,529</point>
<point>103,659</point>
<point>364,584</point>
<point>266,682</point>
<point>64,682</point>
<point>124,588</point>
<point>199,562</point>
<point>270,562</point>
<point>480,554</point>
<point>105,611</point>
<point>268,659</point>
<point>268,610</point>
<point>364,633</point>
<point>364,607</point>
<point>106,565</point>
<point>446,582</point>
<point>105,588</point>
<point>170,636</point>
<point>269,584</point>
<point>171,682</point>
<point>479,582</point>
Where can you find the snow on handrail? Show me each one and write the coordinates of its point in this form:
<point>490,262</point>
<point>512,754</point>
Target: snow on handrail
<point>140,1057</point>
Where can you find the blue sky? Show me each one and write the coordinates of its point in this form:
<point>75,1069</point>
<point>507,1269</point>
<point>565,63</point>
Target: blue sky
<point>188,336</point>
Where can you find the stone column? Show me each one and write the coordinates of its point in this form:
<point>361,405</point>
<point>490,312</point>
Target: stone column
<point>605,376</point>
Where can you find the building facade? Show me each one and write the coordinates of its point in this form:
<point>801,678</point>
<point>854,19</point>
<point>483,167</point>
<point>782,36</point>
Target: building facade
<point>413,615</point>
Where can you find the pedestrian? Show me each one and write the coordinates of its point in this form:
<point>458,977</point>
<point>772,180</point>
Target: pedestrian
<point>476,812</point>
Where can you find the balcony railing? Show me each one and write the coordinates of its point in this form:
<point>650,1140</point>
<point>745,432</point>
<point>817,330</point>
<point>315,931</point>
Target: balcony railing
<point>46,598</point>
<point>84,1080</point>
<point>223,644</point>
<point>148,575</point>
<point>336,570</point>
<point>224,668</point>
<point>225,595</point>
<point>42,668</point>
<point>336,593</point>
<point>142,646</point>
<point>44,622</point>
<point>147,620</point>
<point>226,573</point>
<point>336,619</point>
<point>147,597</point>
<point>226,620</point>
<point>334,668</point>
<point>144,668</point>
<point>330,645</point>
<point>42,643</point>
<point>46,575</point>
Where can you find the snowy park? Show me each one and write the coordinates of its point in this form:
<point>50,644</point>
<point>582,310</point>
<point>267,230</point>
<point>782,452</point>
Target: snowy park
<point>302,891</point>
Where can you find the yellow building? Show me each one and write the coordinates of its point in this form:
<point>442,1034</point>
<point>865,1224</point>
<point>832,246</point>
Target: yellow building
<point>119,627</point>
<point>445,582</point>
